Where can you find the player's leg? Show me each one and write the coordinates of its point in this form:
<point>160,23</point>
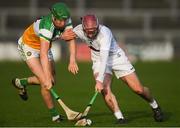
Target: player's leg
<point>110,99</point>
<point>27,53</point>
<point>133,82</point>
<point>35,66</point>
<point>53,72</point>
<point>124,70</point>
<point>32,80</point>
<point>108,96</point>
<point>31,57</point>
<point>20,83</point>
<point>55,115</point>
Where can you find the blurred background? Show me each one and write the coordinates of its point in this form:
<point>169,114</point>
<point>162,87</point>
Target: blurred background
<point>148,29</point>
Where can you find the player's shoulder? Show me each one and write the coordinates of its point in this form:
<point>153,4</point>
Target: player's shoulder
<point>46,22</point>
<point>78,27</point>
<point>104,28</point>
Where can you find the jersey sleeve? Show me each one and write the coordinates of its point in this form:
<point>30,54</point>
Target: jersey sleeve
<point>46,29</point>
<point>45,34</point>
<point>103,63</point>
<point>105,44</point>
<point>106,39</point>
<point>79,32</point>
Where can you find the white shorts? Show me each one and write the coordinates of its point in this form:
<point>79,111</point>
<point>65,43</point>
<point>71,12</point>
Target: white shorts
<point>27,52</point>
<point>117,63</point>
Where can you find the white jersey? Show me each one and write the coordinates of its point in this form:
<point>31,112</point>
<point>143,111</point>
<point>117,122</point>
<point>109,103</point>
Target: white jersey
<point>103,41</point>
<point>103,46</point>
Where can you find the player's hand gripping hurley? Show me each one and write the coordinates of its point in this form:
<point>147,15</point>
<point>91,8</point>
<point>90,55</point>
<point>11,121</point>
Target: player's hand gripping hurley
<point>71,115</point>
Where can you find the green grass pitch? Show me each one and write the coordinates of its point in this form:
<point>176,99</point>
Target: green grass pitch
<point>163,79</point>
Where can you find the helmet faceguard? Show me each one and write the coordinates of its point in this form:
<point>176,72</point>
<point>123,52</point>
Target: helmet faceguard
<point>60,11</point>
<point>90,25</point>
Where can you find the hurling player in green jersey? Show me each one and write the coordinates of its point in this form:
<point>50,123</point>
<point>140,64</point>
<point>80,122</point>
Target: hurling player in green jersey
<point>35,49</point>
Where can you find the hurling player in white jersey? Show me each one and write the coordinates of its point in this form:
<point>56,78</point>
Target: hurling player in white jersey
<point>35,49</point>
<point>108,57</point>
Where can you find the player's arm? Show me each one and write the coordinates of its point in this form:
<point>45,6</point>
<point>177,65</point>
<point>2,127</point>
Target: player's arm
<point>45,45</point>
<point>69,36</point>
<point>68,33</point>
<point>72,67</point>
<point>104,54</point>
<point>103,63</point>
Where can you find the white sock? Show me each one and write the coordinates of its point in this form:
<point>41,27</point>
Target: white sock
<point>118,115</point>
<point>153,104</point>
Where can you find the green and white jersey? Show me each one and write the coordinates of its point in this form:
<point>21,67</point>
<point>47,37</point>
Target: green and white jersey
<point>43,28</point>
<point>47,29</point>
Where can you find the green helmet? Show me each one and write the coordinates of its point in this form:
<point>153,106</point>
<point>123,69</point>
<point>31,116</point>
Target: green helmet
<point>60,11</point>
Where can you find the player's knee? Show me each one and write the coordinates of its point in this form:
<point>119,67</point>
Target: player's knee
<point>44,86</point>
<point>106,94</point>
<point>106,90</point>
